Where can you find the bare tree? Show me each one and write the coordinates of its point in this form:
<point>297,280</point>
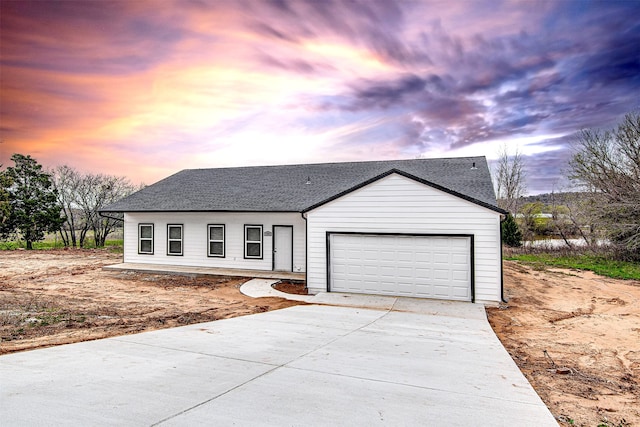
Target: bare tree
<point>560,220</point>
<point>583,214</point>
<point>510,179</point>
<point>607,164</point>
<point>96,192</point>
<point>82,196</point>
<point>529,221</point>
<point>68,182</point>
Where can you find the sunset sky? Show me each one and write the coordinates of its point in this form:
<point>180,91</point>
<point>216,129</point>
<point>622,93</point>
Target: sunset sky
<point>145,88</point>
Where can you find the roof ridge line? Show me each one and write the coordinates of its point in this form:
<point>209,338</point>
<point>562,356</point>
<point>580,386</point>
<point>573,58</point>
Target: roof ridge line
<point>337,163</point>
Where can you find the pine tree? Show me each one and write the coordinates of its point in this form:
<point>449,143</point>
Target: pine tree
<point>511,235</point>
<point>33,205</point>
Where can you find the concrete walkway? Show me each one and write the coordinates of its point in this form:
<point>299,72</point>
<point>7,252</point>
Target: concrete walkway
<point>306,365</point>
<point>259,288</point>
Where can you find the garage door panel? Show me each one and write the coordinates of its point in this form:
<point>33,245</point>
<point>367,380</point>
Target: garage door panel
<point>422,257</point>
<point>386,254</point>
<point>354,269</point>
<point>460,276</point>
<point>387,271</point>
<point>459,244</point>
<point>404,272</point>
<point>441,243</point>
<point>340,270</point>
<point>423,278</point>
<point>405,288</point>
<point>370,270</point>
<point>404,254</point>
<point>440,274</point>
<point>442,258</point>
<point>459,293</point>
<point>459,259</point>
<point>419,266</point>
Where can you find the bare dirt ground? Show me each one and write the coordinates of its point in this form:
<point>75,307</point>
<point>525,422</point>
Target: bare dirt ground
<point>292,288</point>
<point>58,297</point>
<point>576,337</point>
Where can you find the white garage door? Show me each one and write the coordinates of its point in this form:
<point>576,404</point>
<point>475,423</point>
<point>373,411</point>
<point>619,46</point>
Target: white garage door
<point>415,266</point>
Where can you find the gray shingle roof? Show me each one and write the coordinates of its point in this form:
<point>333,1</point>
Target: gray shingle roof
<point>284,188</point>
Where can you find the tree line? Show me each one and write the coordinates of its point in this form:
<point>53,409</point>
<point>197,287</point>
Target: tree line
<point>605,169</point>
<point>34,202</point>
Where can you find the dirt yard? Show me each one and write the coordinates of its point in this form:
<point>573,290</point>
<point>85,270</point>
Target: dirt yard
<point>58,297</point>
<point>576,337</point>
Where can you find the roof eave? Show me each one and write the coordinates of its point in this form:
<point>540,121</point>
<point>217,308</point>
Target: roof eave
<point>198,211</point>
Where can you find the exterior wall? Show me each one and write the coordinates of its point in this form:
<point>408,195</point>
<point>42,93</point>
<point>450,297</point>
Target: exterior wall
<point>396,204</point>
<point>195,239</point>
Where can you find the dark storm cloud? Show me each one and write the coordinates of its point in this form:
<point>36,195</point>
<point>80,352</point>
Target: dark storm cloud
<point>489,63</point>
<point>553,82</point>
<point>387,94</point>
<point>618,61</point>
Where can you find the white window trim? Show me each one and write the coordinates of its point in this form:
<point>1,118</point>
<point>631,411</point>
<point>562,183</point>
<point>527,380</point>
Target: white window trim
<point>140,238</point>
<point>169,239</point>
<point>246,242</point>
<point>209,240</point>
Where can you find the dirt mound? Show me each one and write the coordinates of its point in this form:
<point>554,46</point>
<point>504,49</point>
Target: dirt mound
<point>291,288</point>
<point>576,336</point>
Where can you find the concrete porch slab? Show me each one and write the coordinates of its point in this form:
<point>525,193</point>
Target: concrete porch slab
<point>203,271</point>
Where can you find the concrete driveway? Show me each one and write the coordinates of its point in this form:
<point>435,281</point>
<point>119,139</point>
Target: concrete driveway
<point>438,363</point>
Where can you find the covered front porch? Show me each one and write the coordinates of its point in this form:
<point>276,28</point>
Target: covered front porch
<point>204,271</point>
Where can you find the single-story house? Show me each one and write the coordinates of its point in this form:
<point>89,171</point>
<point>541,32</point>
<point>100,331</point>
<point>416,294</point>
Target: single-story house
<point>425,228</point>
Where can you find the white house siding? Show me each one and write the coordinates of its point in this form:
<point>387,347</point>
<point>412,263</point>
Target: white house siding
<point>396,204</point>
<point>195,238</point>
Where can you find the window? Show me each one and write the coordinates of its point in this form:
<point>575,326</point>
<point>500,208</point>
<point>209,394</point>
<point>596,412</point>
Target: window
<point>253,241</point>
<point>145,239</point>
<point>216,240</point>
<point>174,239</point>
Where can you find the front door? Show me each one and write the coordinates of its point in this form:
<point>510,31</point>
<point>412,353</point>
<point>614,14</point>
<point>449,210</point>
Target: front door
<point>283,247</point>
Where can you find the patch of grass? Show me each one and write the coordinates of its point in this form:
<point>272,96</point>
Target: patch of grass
<point>598,264</point>
<point>114,242</point>
<point>9,246</point>
<point>46,244</point>
<point>115,245</point>
<point>12,245</point>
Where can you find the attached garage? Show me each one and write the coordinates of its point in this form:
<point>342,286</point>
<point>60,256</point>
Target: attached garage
<point>399,235</point>
<point>421,266</point>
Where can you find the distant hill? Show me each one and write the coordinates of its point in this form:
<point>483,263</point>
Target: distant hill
<point>550,198</point>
